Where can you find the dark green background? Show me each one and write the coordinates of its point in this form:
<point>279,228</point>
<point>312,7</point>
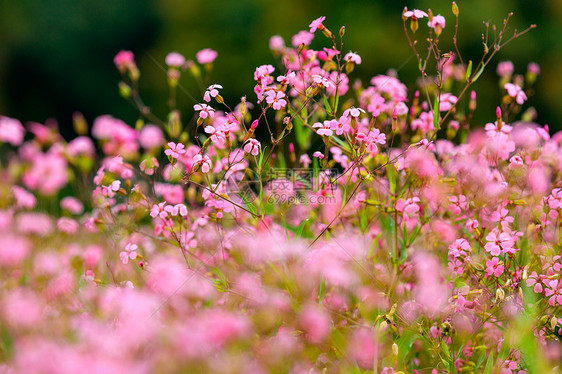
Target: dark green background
<point>56,56</point>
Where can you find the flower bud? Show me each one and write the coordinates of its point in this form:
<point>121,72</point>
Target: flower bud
<point>455,9</point>
<point>124,90</point>
<point>243,107</point>
<point>472,102</point>
<point>500,294</point>
<point>79,123</point>
<point>342,31</point>
<point>395,349</point>
<point>414,24</point>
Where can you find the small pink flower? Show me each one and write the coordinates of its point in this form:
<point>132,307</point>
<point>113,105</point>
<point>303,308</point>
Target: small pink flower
<point>175,150</point>
<point>174,210</point>
<point>204,161</point>
<point>205,111</point>
<point>554,292</point>
<point>317,24</point>
<point>277,99</point>
<point>322,81</point>
<point>124,59</point>
<point>302,37</point>
<point>505,69</point>
<point>206,56</point>
<point>353,57</point>
<point>129,253</point>
<point>324,129</point>
<point>11,131</point>
<point>276,43</point>
<point>212,91</point>
<point>72,204</point>
<point>415,14</point>
<point>438,20</point>
<point>493,267</point>
<point>175,60</point>
<point>252,146</point>
<point>516,92</point>
<point>159,210</point>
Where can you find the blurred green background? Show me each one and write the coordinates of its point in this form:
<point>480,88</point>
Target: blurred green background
<point>56,57</point>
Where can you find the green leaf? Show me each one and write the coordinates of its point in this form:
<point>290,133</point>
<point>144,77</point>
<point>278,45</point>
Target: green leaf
<point>468,70</point>
<point>363,219</point>
<point>392,176</point>
<point>436,117</point>
<point>327,105</point>
<point>299,231</point>
<point>489,364</point>
<point>477,75</point>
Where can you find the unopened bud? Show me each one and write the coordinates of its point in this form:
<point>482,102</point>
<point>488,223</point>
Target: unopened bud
<point>254,125</point>
<point>124,90</point>
<point>292,154</point>
<point>499,117</point>
<point>404,18</point>
<point>243,107</point>
<point>219,99</point>
<point>455,9</point>
<point>414,24</point>
<point>395,349</point>
<point>342,31</point>
<point>553,322</point>
<point>472,102</point>
<point>80,124</point>
<point>500,294</point>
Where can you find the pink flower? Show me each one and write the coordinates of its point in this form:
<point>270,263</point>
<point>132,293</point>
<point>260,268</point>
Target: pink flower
<point>505,69</point>
<point>317,24</point>
<point>499,243</point>
<point>72,204</point>
<point>438,20</point>
<point>212,91</point>
<point>458,204</point>
<point>493,267</point>
<point>277,99</point>
<point>554,292</point>
<point>252,146</point>
<point>302,37</point>
<point>175,150</point>
<point>276,43</point>
<point>206,111</point>
<point>353,112</point>
<point>175,60</point>
<point>415,14</point>
<point>322,81</point>
<point>353,57</point>
<point>516,92</point>
<point>151,137</point>
<point>11,131</point>
<point>324,129</point>
<point>159,210</point>
<point>124,59</point>
<point>13,249</point>
<point>129,253</point>
<point>67,225</point>
<point>24,198</point>
<point>174,210</point>
<point>206,56</point>
<point>204,161</point>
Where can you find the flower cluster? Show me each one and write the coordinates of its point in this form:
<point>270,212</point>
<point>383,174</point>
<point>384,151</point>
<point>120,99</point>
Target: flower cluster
<point>315,226</point>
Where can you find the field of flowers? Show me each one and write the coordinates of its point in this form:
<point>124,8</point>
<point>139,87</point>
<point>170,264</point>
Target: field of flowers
<point>320,225</point>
